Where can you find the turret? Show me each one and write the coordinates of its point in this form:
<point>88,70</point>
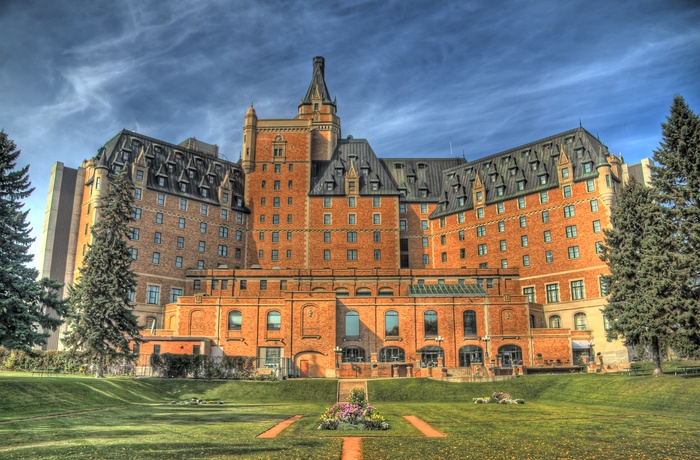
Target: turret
<point>249,130</point>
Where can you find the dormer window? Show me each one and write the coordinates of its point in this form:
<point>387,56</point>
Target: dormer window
<point>542,179</point>
<point>451,176</point>
<point>579,152</point>
<point>190,173</point>
<point>534,165</point>
<point>183,187</point>
<point>205,192</point>
<point>351,185</point>
<point>161,181</point>
<point>462,201</point>
<point>565,173</point>
<point>525,153</point>
<point>500,190</point>
<point>117,169</point>
<point>569,140</point>
<point>211,179</point>
<point>479,196</point>
<point>493,177</point>
<point>375,186</point>
<point>411,179</point>
<point>398,165</point>
<point>521,185</point>
<point>422,165</point>
<point>125,156</point>
<point>239,202</point>
<point>329,185</point>
<point>423,193</point>
<point>338,171</point>
<point>171,167</point>
<point>365,171</point>
<point>455,188</point>
<point>588,167</point>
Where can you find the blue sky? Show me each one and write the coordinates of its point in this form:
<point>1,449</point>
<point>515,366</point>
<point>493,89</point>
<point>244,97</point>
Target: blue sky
<point>412,77</point>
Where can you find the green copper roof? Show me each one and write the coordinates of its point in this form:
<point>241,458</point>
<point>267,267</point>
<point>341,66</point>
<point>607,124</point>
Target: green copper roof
<point>454,290</point>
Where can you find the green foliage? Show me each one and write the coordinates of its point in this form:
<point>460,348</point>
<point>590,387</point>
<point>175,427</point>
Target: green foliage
<point>676,176</point>
<point>202,366</point>
<point>100,319</point>
<point>358,397</point>
<point>28,308</point>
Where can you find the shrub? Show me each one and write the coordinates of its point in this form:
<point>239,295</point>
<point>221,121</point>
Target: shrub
<point>498,397</point>
<point>358,397</point>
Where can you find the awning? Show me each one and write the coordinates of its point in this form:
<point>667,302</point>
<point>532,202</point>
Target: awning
<point>580,344</point>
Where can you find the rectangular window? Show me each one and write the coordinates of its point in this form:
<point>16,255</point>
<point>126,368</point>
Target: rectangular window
<point>327,201</point>
<point>181,222</point>
<point>377,254</point>
<point>569,211</point>
<point>202,246</point>
<point>159,218</point>
<point>544,197</point>
<point>352,254</point>
<point>552,293</point>
<point>278,168</point>
<point>238,253</point>
<point>573,252</point>
<point>326,219</point>
<point>139,175</point>
<point>275,219</point>
<point>481,249</point>
<point>135,213</point>
<point>326,237</point>
<point>134,233</point>
<point>443,240</point>
<point>460,218</point>
<point>502,245</point>
<point>204,209</point>
<point>178,262</point>
<point>352,219</point>
<point>244,285</point>
<point>352,202</point>
<point>157,237</point>
<point>289,253</point>
<point>571,231</point>
<point>134,253</point>
<point>529,292</point>
<point>479,213</point>
<point>153,294</point>
<point>461,235</point>
<point>224,214</point>
<point>261,236</point>
<point>523,241</point>
<point>183,204</point>
<point>222,250</point>
<point>376,219</point>
<point>594,205</point>
<point>545,217</point>
<point>274,254</point>
<point>598,247</point>
<point>567,191</point>
<point>547,236</point>
<point>263,285</point>
<point>275,237</point>
<point>161,199</point>
<point>402,225</point>
<point>577,290</point>
<point>289,201</point>
<point>138,193</point>
<point>526,260</point>
<point>352,237</point>
<point>481,231</point>
<point>223,232</point>
<point>202,227</point>
<point>276,202</point>
<point>376,202</point>
<point>377,237</point>
<point>276,185</point>
<point>500,208</point>
<point>443,257</point>
<point>521,202</point>
<point>424,208</point>
<point>462,253</point>
<point>590,185</point>
<point>501,226</point>
<point>425,259</point>
<point>239,218</point>
<point>326,254</point>
<point>156,349</point>
<point>402,208</point>
<point>425,242</point>
<point>239,235</point>
<point>504,263</point>
<point>424,225</point>
<point>443,222</point>
<point>565,173</point>
<point>180,242</point>
<point>548,257</point>
<point>596,226</point>
<point>261,254</point>
<point>523,222</point>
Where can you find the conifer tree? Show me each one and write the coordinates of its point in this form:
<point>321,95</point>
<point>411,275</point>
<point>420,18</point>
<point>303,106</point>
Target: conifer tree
<point>644,272</point>
<point>28,308</point>
<point>676,176</point>
<point>100,319</point>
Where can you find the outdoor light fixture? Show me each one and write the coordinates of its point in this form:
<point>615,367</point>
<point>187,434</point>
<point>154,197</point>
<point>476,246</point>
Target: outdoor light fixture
<point>337,351</point>
<point>439,340</point>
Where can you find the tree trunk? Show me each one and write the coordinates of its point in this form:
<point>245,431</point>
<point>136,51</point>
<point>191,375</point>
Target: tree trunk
<point>656,356</point>
<point>99,368</point>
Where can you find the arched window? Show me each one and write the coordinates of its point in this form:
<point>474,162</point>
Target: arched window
<point>391,323</point>
<point>510,355</point>
<point>470,354</point>
<point>318,289</point>
<point>469,319</point>
<point>274,321</point>
<point>391,355</point>
<point>151,322</point>
<point>555,321</point>
<point>363,292</point>
<point>430,323</point>
<point>386,292</point>
<point>235,321</point>
<point>580,322</point>
<point>352,324</point>
<point>431,356</point>
<point>342,292</point>
<point>353,355</point>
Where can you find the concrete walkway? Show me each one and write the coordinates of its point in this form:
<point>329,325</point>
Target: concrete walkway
<point>352,449</point>
<point>423,427</point>
<point>277,429</point>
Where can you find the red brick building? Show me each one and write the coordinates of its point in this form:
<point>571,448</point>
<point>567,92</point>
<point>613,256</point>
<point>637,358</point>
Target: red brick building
<point>313,253</point>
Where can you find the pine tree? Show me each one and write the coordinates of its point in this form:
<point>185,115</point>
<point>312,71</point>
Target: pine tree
<point>101,320</point>
<point>644,272</point>
<point>28,308</point>
<point>676,176</point>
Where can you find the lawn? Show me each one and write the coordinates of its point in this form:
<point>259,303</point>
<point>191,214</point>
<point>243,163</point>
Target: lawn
<point>565,416</point>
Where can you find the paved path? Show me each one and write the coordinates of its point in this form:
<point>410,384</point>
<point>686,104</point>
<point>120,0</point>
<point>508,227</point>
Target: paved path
<point>352,449</point>
<point>423,427</point>
<point>346,386</point>
<point>277,429</point>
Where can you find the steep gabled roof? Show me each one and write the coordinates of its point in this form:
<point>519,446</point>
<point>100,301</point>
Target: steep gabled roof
<point>317,87</point>
<point>415,175</point>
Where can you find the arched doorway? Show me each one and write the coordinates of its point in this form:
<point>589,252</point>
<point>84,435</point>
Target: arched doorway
<point>510,355</point>
<point>470,354</point>
<point>311,364</point>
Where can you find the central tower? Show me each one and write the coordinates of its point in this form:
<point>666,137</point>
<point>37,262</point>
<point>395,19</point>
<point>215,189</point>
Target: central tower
<point>318,107</point>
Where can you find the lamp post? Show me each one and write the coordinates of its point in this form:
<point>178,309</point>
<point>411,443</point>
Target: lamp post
<point>439,340</point>
<point>338,351</point>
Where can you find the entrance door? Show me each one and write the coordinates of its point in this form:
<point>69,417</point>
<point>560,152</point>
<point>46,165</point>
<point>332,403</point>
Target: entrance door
<point>311,364</point>
<point>304,368</point>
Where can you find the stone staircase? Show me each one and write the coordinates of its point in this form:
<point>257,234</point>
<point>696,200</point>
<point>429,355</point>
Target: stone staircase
<point>345,386</point>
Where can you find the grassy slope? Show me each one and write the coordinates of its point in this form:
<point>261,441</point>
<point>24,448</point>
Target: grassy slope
<point>27,396</point>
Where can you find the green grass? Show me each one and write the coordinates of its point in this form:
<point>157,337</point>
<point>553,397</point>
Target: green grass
<point>565,416</point>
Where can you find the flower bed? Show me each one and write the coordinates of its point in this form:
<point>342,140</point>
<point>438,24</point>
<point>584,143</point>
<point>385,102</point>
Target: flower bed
<point>498,397</point>
<point>356,414</point>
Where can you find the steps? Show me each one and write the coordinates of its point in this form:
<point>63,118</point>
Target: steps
<point>345,386</point>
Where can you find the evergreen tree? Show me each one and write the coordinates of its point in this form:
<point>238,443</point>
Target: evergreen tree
<point>100,319</point>
<point>644,272</point>
<point>28,308</point>
<point>676,176</point>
